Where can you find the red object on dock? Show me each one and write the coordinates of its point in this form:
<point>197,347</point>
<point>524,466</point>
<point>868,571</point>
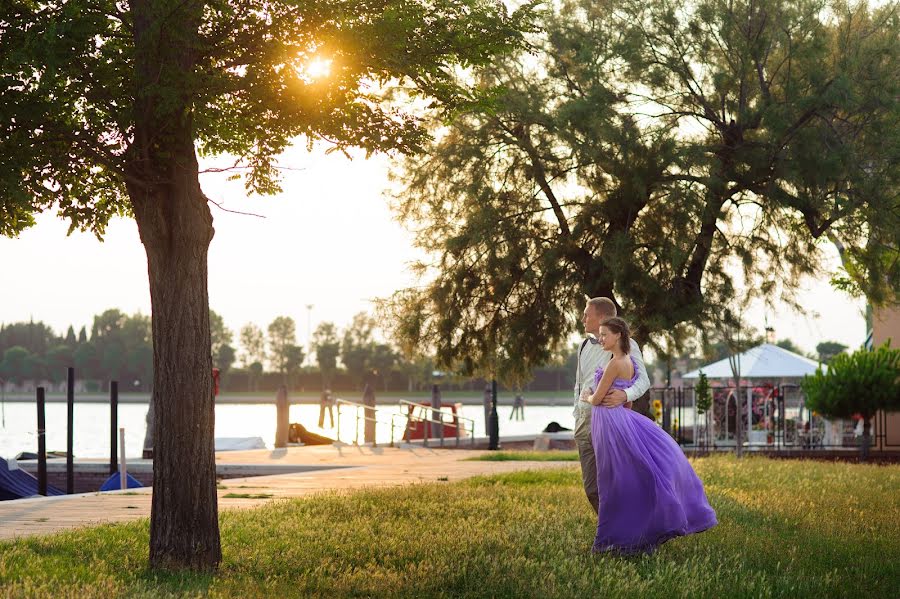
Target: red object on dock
<point>418,427</point>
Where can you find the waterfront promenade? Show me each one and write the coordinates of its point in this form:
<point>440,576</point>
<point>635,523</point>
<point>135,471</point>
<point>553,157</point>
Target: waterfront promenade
<point>349,467</point>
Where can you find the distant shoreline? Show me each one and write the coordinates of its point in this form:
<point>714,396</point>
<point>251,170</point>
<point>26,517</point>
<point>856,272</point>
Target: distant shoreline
<point>535,398</point>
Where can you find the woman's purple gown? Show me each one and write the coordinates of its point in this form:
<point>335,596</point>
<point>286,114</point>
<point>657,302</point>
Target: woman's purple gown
<point>648,491</point>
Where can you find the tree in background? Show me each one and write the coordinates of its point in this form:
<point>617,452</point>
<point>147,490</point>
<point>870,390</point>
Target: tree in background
<point>382,360</point>
<point>124,347</point>
<point>87,361</point>
<point>293,362</point>
<point>225,359</point>
<point>58,359</point>
<point>655,152</point>
<point>862,382</point>
<point>357,347</point>
<point>327,347</point>
<point>14,365</point>
<point>790,346</point>
<point>253,351</point>
<point>36,337</point>
<point>282,340</point>
<point>71,340</point>
<point>219,334</point>
<point>703,398</point>
<point>255,369</point>
<point>106,106</point>
<point>419,370</point>
<point>827,350</point>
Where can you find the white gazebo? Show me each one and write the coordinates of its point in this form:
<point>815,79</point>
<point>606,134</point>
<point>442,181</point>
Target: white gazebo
<point>764,363</point>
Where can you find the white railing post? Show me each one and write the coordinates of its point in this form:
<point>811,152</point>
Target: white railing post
<point>123,469</point>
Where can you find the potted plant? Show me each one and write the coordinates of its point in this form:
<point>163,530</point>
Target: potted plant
<point>862,382</point>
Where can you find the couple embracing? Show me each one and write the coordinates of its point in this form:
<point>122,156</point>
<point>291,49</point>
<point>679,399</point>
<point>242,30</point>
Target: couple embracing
<point>636,477</point>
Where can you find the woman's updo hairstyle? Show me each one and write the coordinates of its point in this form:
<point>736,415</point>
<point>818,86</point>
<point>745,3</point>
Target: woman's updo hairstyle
<point>617,325</point>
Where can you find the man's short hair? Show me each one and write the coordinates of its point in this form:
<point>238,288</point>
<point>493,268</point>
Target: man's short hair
<point>603,306</point>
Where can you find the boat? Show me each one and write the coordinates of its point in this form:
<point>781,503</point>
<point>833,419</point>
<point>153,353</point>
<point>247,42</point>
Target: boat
<point>15,483</point>
<point>418,416</point>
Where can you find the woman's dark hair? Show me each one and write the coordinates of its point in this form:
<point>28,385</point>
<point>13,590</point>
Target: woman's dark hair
<point>617,325</point>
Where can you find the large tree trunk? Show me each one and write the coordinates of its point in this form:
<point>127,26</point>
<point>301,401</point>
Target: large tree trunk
<point>175,226</point>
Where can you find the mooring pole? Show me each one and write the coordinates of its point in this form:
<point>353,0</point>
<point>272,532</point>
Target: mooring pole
<point>70,462</point>
<point>113,425</point>
<point>494,420</point>
<point>42,443</point>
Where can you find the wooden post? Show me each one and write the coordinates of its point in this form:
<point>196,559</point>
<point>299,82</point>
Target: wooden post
<point>369,413</point>
<point>123,468</point>
<point>42,443</point>
<point>113,425</point>
<point>282,417</point>
<point>70,458</point>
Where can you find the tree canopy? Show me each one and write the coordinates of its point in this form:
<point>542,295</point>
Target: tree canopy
<point>676,157</point>
<point>73,80</point>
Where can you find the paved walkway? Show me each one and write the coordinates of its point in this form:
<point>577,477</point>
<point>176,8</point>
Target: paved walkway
<point>354,468</point>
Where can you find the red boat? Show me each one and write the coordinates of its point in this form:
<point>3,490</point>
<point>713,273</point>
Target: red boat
<point>419,415</point>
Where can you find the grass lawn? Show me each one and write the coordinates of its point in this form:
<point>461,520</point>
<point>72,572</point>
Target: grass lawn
<point>787,529</point>
<point>527,456</point>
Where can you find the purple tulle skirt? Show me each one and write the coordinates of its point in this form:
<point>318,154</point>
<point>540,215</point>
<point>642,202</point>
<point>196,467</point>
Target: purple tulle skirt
<point>648,491</point>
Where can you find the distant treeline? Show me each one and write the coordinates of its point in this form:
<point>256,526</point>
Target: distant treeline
<point>119,347</point>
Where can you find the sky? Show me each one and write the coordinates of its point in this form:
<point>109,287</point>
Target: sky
<point>329,240</point>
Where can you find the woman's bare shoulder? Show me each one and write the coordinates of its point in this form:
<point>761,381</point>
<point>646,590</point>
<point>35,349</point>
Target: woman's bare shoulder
<point>624,366</point>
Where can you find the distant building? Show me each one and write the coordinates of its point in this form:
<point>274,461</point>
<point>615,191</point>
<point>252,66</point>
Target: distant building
<point>886,326</point>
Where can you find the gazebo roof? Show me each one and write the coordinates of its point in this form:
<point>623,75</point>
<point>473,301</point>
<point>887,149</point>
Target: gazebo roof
<point>764,361</point>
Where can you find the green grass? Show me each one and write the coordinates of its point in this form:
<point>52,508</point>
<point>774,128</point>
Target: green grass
<point>527,456</point>
<point>787,529</point>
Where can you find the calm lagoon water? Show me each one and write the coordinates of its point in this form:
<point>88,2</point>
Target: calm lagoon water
<point>91,439</point>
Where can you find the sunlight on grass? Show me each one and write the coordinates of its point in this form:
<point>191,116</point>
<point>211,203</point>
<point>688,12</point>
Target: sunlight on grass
<point>527,456</point>
<point>787,529</point>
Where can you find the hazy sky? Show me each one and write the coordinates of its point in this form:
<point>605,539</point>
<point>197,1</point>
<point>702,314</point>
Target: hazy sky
<point>328,240</point>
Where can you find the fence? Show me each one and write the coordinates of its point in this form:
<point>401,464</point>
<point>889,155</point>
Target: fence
<point>774,417</point>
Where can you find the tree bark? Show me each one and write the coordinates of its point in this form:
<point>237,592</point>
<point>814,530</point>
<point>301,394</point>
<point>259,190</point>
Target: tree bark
<point>175,226</point>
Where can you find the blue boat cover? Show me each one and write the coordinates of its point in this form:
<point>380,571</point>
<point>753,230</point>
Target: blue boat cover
<point>16,484</point>
<point>112,483</point>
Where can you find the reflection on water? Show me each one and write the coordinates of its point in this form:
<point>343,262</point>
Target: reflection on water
<point>232,420</point>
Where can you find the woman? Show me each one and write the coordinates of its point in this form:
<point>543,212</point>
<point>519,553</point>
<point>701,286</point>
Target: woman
<point>648,491</point>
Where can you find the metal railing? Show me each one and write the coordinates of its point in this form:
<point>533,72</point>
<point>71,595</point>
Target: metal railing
<point>361,406</point>
<point>425,408</point>
<point>430,423</point>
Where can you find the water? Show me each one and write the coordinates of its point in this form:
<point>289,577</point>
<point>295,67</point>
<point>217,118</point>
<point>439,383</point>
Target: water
<point>91,439</point>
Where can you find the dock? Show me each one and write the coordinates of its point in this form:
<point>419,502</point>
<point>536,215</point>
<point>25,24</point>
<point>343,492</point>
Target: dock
<point>266,475</point>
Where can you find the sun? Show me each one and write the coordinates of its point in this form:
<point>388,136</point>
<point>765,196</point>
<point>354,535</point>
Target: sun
<point>317,68</point>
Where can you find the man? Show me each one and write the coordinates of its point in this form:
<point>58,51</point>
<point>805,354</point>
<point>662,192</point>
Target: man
<point>590,356</point>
